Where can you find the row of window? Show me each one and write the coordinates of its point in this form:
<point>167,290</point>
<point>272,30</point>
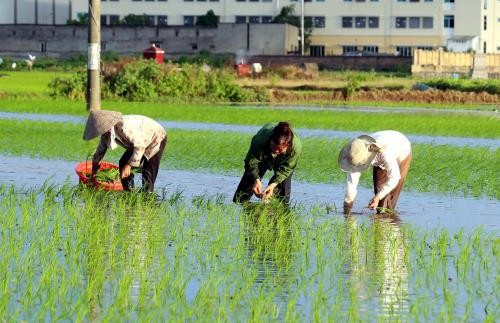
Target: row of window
<point>354,50</point>
<point>316,22</point>
<point>445,1</point>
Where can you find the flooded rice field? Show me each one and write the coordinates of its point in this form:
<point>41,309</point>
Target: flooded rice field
<point>426,210</point>
<point>74,254</point>
<point>435,140</point>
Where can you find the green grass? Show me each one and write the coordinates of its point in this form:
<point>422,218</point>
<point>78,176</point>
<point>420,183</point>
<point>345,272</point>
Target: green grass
<point>421,123</point>
<point>79,255</point>
<point>25,82</point>
<point>467,171</point>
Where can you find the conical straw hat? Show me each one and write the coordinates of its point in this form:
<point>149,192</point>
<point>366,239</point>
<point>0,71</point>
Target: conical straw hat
<point>356,155</point>
<point>99,122</point>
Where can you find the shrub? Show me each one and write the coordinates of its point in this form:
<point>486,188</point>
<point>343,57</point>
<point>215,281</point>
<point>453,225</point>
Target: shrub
<point>145,80</point>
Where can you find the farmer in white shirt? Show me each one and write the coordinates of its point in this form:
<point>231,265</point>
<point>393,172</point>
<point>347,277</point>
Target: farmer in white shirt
<point>389,152</point>
<point>143,138</point>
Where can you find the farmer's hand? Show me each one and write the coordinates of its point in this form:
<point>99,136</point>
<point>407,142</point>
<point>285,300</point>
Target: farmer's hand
<point>348,207</point>
<point>126,171</point>
<point>373,202</point>
<point>268,192</point>
<point>257,188</point>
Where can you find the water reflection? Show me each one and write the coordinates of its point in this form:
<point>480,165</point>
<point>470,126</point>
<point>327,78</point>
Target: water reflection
<point>378,269</point>
<point>271,234</point>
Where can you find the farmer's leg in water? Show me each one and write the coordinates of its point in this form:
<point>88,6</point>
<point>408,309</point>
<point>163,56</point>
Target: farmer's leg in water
<point>150,169</point>
<point>127,182</point>
<point>380,177</point>
<point>244,191</point>
<point>282,191</point>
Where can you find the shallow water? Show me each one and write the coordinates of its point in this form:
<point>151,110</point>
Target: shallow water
<point>428,211</point>
<point>333,134</point>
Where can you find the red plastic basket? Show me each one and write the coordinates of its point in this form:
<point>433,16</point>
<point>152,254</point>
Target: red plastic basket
<point>84,168</point>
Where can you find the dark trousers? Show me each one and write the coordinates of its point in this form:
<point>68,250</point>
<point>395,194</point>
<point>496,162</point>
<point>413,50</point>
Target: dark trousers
<point>380,178</point>
<point>244,191</point>
<point>149,169</point>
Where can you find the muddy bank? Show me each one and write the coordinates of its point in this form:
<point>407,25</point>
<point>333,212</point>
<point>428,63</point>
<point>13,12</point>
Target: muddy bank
<point>428,211</point>
<point>384,95</point>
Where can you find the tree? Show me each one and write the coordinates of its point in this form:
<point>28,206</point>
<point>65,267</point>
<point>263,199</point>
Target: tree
<point>135,20</point>
<point>209,19</point>
<point>83,20</point>
<point>287,16</point>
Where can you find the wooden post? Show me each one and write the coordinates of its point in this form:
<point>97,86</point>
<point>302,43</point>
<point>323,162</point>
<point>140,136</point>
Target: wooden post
<point>94,56</point>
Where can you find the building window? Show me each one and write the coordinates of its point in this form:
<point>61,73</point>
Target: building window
<point>414,22</point>
<point>373,22</point>
<point>346,22</point>
<point>428,22</point>
<point>162,20</point>
<point>317,50</point>
<point>485,22</point>
<point>254,19</point>
<point>349,49</point>
<point>104,20</point>
<point>267,19</point>
<point>241,20</point>
<point>484,48</point>
<point>360,22</point>
<point>449,21</point>
<point>114,20</point>
<point>370,49</point>
<point>150,20</point>
<point>400,22</point>
<point>43,46</point>
<point>404,51</point>
<point>194,46</point>
<point>449,1</point>
<point>103,45</point>
<point>319,22</point>
<point>188,20</point>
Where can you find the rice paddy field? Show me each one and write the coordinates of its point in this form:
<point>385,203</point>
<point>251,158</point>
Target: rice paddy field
<point>69,253</point>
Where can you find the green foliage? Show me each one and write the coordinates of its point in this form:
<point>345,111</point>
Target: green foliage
<point>209,19</point>
<point>83,20</point>
<point>352,86</point>
<point>491,86</point>
<point>135,20</point>
<point>287,16</point>
<point>73,87</point>
<point>145,80</point>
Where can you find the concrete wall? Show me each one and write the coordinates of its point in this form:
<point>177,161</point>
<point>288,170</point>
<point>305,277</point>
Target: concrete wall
<point>440,63</point>
<point>378,63</point>
<point>263,39</point>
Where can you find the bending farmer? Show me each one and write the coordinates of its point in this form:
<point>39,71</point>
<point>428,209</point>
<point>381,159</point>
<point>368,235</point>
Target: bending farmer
<point>389,152</point>
<point>274,146</point>
<point>143,138</point>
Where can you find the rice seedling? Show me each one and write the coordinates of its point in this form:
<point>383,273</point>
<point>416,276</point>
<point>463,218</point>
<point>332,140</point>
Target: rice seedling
<point>434,168</point>
<point>440,123</point>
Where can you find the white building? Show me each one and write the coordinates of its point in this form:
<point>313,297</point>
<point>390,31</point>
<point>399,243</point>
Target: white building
<point>339,26</point>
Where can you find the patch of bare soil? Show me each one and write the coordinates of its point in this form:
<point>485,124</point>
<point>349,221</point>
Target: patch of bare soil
<point>385,95</point>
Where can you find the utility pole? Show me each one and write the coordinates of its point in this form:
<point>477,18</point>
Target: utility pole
<point>94,56</point>
<point>302,28</point>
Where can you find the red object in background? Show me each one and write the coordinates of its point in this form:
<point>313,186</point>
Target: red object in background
<point>243,69</point>
<point>155,53</point>
<point>84,168</point>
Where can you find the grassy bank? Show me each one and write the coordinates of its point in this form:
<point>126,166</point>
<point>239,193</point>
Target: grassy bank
<point>421,123</point>
<point>467,171</point>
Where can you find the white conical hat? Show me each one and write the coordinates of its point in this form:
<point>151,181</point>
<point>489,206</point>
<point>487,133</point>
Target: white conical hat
<point>99,122</point>
<point>356,155</point>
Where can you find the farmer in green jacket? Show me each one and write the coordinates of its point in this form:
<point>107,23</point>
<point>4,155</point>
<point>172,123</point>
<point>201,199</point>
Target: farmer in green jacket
<point>275,147</point>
